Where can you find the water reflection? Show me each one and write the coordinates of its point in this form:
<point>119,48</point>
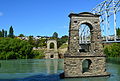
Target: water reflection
<point>113,60</point>
<point>52,66</point>
<point>16,66</point>
<point>25,68</point>
<point>48,70</point>
<point>48,63</point>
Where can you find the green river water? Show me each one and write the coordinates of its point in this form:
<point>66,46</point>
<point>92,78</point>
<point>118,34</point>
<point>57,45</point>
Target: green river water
<point>48,70</point>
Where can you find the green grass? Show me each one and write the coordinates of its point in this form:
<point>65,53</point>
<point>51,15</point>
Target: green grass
<point>64,46</point>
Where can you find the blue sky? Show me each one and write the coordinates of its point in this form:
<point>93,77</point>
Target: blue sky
<point>41,17</point>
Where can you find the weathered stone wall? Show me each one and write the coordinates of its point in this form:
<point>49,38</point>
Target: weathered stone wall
<point>54,55</point>
<point>93,23</point>
<point>74,67</point>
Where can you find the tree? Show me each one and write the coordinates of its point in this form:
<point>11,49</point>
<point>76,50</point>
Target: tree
<point>62,40</point>
<point>21,35</point>
<point>0,33</point>
<point>118,32</point>
<point>55,35</point>
<point>3,32</point>
<point>38,36</point>
<point>31,40</point>
<point>36,43</point>
<point>11,32</point>
<point>112,50</point>
<point>12,48</point>
<point>42,43</point>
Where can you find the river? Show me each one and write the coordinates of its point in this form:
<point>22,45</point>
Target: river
<point>48,70</point>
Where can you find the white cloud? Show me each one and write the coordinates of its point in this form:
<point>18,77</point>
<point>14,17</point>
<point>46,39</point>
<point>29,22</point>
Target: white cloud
<point>1,14</point>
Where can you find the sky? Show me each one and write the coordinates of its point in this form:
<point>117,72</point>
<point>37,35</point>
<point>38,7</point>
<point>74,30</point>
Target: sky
<point>41,17</point>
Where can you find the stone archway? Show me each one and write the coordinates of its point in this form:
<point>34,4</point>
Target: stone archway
<point>95,38</point>
<point>55,44</point>
<point>85,38</point>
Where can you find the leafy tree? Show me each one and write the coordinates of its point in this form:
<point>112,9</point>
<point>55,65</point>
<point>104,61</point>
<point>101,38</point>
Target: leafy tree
<point>38,36</point>
<point>3,32</point>
<point>55,35</point>
<point>31,40</point>
<point>21,35</point>
<point>42,43</point>
<point>62,40</point>
<point>118,32</point>
<point>0,33</point>
<point>11,32</point>
<point>112,50</point>
<point>12,48</point>
<point>36,43</point>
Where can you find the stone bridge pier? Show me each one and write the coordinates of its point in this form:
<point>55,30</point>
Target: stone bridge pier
<point>84,64</point>
<point>52,53</point>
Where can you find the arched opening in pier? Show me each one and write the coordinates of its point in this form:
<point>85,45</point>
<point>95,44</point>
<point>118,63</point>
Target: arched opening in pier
<point>86,65</point>
<point>52,56</point>
<point>85,36</point>
<point>52,45</point>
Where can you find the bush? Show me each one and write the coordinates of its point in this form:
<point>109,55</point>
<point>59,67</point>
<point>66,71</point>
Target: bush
<point>62,40</point>
<point>112,50</point>
<point>12,48</point>
<point>39,54</point>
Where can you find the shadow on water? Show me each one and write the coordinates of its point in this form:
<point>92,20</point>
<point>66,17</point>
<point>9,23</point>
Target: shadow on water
<point>113,60</point>
<point>41,77</point>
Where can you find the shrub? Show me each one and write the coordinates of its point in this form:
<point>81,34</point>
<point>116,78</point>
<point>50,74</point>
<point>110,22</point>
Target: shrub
<point>12,48</point>
<point>112,50</point>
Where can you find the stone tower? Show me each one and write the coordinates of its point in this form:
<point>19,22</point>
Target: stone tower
<point>84,64</point>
